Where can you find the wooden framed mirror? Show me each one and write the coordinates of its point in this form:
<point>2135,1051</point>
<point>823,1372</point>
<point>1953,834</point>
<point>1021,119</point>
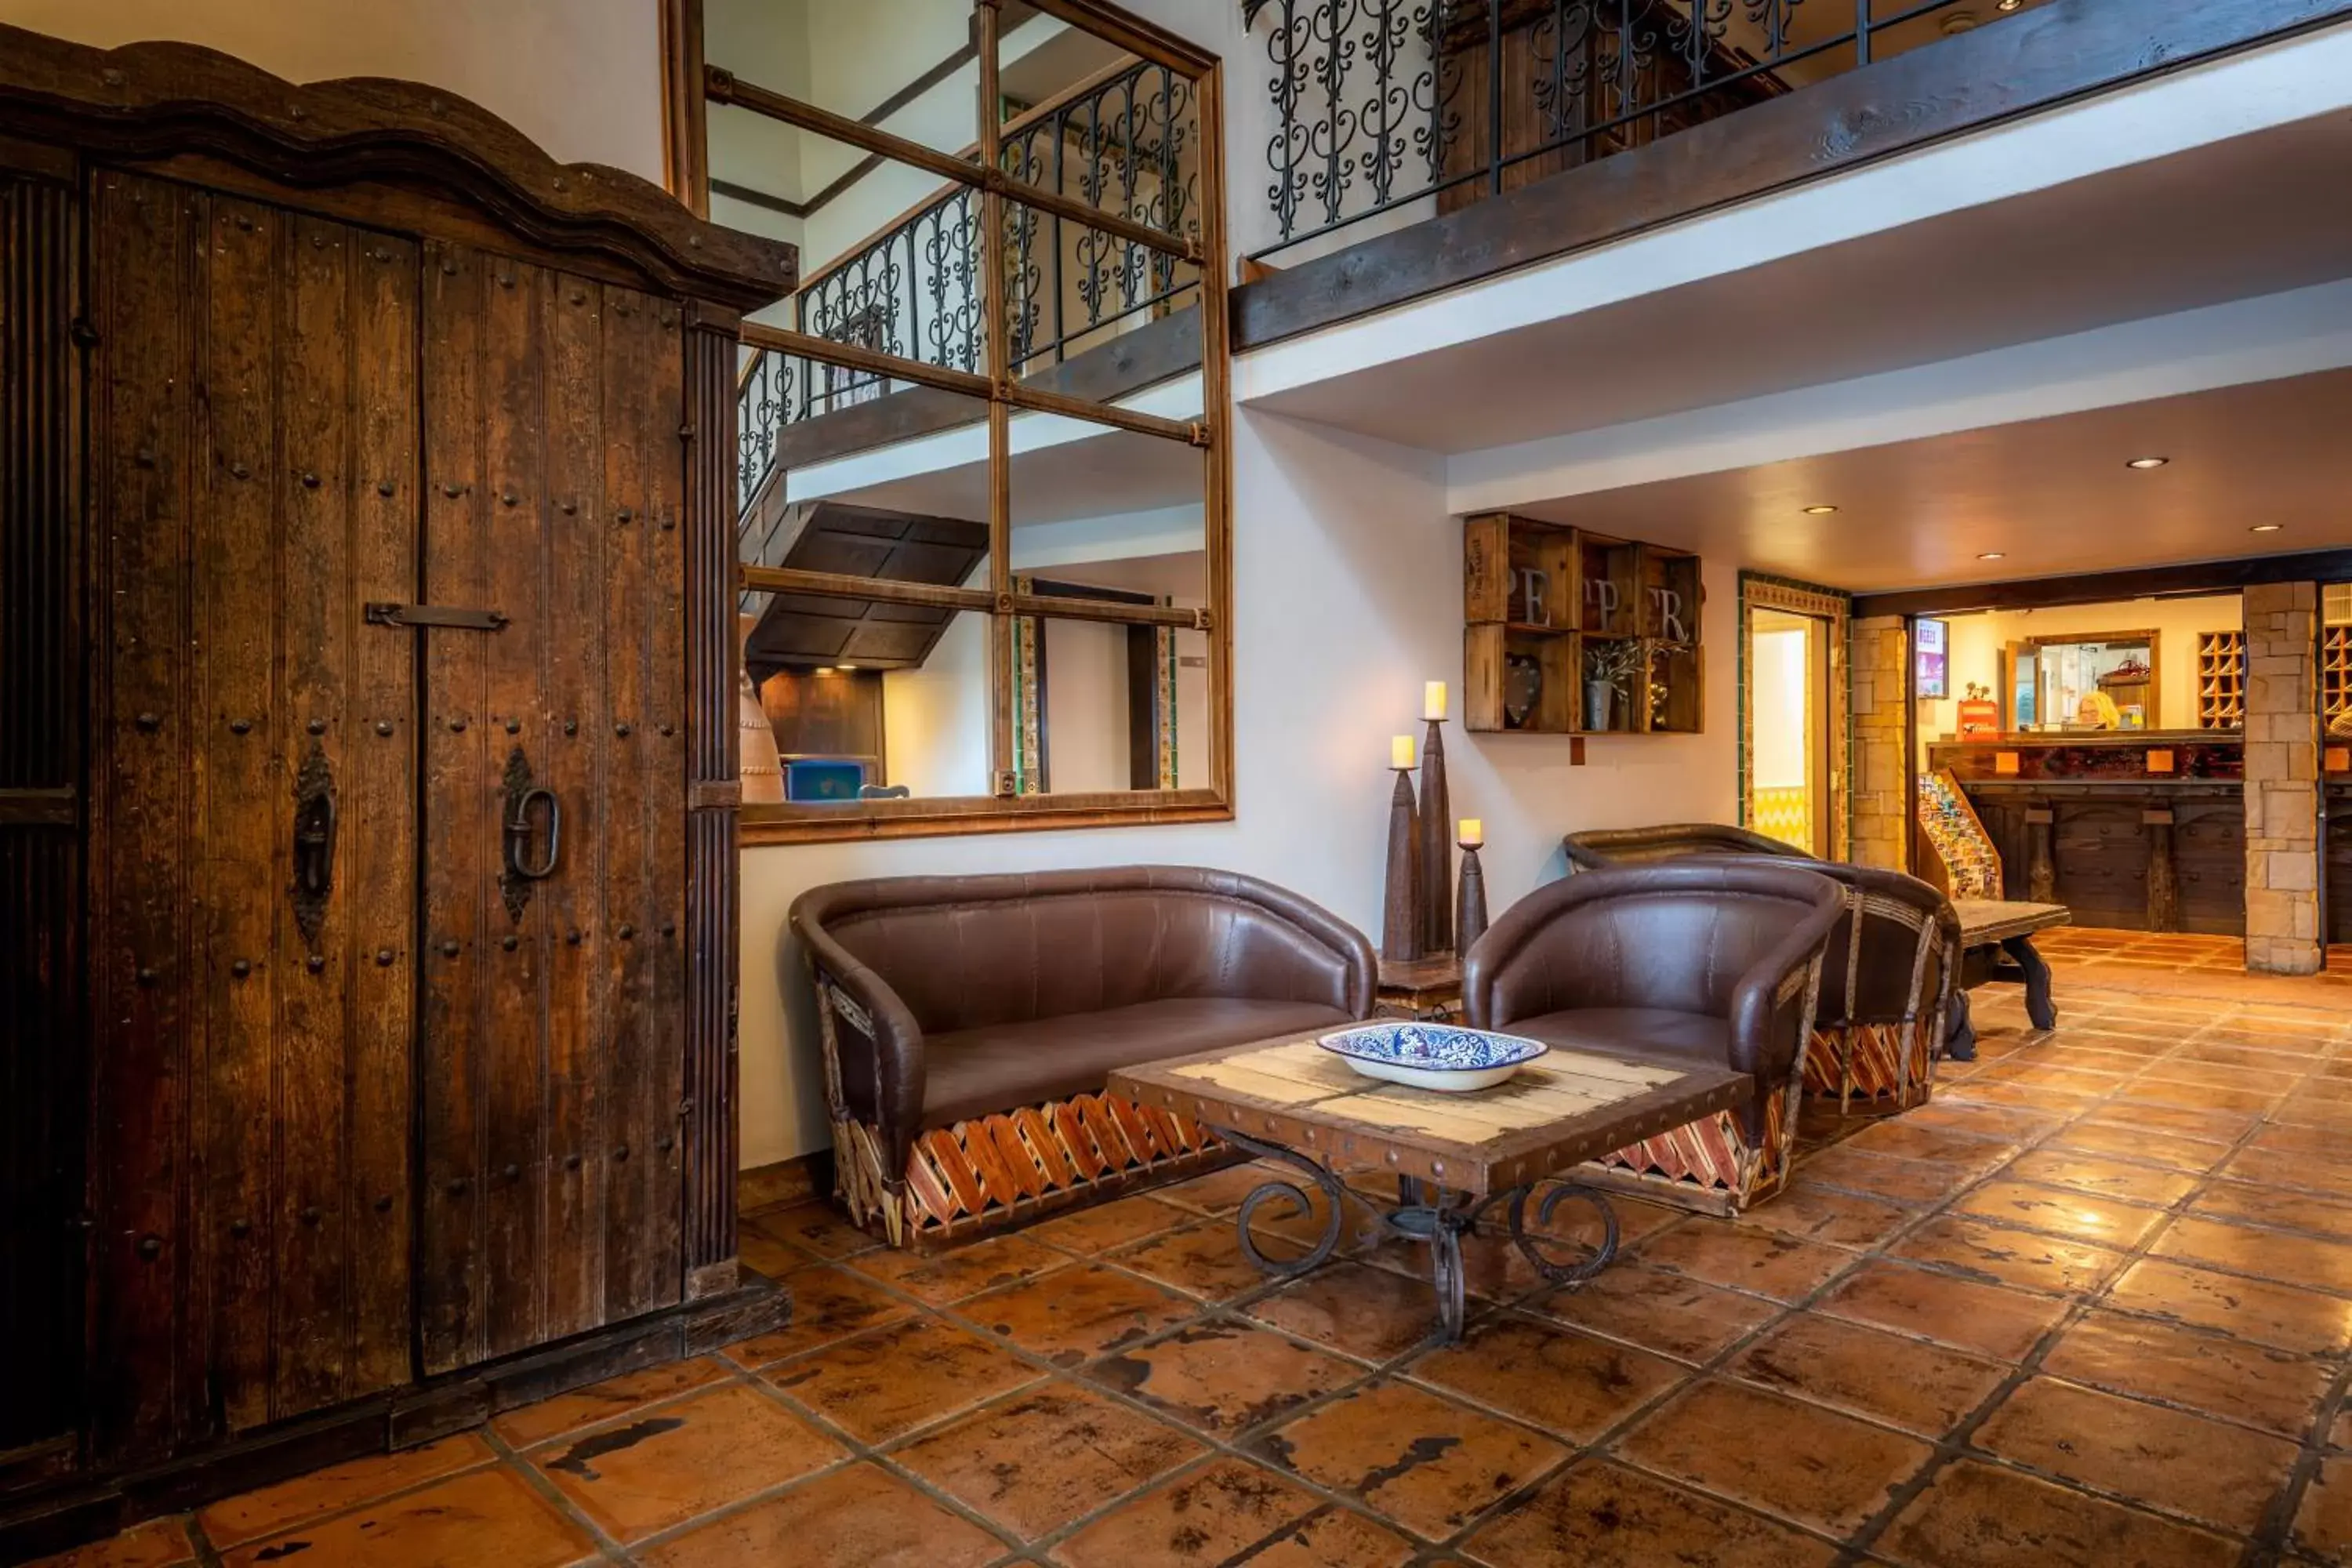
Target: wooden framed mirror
<point>985,544</point>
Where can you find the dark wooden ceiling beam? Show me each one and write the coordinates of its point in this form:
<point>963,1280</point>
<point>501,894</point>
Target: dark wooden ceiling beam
<point>2097,587</point>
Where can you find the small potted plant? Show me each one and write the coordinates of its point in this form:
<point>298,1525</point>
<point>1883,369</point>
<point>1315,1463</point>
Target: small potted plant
<point>1611,666</point>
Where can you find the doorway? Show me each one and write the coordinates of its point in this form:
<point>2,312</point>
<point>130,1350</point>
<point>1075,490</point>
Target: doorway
<point>1793,718</point>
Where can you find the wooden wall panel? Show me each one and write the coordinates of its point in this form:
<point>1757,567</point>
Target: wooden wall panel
<point>2209,846</point>
<point>43,1061</point>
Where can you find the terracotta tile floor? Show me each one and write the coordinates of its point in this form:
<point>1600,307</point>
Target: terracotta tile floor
<point>2092,1306</point>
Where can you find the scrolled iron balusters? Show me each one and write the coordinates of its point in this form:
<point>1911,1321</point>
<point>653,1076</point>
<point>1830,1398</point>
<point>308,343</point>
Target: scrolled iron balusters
<point>1357,100</point>
<point>1369,94</point>
<point>915,291</point>
<point>946,234</point>
<point>759,417</point>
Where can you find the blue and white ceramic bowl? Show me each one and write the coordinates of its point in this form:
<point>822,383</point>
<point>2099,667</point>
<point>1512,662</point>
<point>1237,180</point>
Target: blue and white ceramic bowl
<point>1432,1056</point>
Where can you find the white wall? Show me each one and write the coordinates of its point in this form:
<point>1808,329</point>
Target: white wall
<point>935,719</point>
<point>581,78</point>
<point>1085,705</point>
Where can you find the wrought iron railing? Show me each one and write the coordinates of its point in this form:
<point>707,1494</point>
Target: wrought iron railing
<point>1127,143</point>
<point>1379,103</point>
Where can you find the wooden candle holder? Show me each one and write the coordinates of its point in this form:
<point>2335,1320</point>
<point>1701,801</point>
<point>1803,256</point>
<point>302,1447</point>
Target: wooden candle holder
<point>1401,923</point>
<point>1470,901</point>
<point>1436,844</point>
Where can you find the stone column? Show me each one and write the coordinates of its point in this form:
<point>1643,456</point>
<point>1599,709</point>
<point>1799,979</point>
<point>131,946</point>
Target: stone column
<point>1881,802</point>
<point>2283,927</point>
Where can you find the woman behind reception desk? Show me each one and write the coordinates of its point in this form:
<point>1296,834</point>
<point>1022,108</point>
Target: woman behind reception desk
<point>2141,830</point>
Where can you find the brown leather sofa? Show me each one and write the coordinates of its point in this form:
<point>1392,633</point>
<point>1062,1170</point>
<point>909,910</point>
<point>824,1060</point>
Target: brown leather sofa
<point>1706,960</point>
<point>968,1025</point>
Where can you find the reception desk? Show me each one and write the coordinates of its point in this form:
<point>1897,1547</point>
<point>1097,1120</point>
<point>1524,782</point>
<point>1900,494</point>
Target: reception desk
<point>2141,830</point>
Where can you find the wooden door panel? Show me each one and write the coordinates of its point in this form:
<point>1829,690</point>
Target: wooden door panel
<point>376,853</point>
<point>148,237</point>
<point>236,824</point>
<point>257,427</point>
<point>346,491</point>
<point>644,816</point>
<point>551,1083</point>
<point>573,760</point>
<point>515,700</point>
<point>458,808</point>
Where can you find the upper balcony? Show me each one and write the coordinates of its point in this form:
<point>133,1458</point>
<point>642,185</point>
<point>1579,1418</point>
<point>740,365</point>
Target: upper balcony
<point>1385,154</point>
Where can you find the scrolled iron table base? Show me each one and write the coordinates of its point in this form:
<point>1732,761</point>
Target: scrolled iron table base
<point>1426,1213</point>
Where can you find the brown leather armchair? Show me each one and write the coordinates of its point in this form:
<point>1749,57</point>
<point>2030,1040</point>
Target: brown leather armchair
<point>1602,847</point>
<point>968,1025</point>
<point>1707,960</point>
<point>1888,983</point>
<point>1885,1020</point>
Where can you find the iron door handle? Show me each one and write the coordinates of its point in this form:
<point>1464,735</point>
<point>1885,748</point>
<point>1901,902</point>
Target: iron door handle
<point>314,847</point>
<point>520,832</point>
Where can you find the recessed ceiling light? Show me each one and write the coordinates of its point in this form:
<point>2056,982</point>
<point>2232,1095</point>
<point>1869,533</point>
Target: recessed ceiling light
<point>1819,510</point>
<point>2266,527</point>
<point>1993,556</point>
<point>2008,5</point>
<point>2147,462</point>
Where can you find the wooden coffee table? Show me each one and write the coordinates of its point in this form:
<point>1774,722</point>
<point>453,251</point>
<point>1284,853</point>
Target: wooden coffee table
<point>1455,1155</point>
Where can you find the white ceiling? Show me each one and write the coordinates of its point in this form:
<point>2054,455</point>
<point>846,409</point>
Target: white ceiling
<point>2251,215</point>
<point>2053,495</point>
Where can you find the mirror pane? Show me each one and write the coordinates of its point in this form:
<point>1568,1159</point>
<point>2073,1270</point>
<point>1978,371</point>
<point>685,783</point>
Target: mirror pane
<point>901,708</point>
<point>1109,519</point>
<point>814,433</point>
<point>1071,288</point>
<point>1087,119</point>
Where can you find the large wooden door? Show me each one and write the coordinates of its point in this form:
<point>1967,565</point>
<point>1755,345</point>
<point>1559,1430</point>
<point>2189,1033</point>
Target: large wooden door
<point>251,812</point>
<point>554,808</point>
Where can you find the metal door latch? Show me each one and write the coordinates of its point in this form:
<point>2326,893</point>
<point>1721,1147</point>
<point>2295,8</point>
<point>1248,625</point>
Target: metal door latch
<point>381,614</point>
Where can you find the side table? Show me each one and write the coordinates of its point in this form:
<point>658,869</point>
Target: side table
<point>1426,989</point>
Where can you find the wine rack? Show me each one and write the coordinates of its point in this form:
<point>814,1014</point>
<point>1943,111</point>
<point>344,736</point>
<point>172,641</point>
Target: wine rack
<point>2220,680</point>
<point>2335,676</point>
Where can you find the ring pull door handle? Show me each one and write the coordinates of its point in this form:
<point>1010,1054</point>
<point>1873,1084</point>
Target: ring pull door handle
<point>521,831</point>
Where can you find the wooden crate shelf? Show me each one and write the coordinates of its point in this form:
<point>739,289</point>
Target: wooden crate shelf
<point>2221,680</point>
<point>1546,606</point>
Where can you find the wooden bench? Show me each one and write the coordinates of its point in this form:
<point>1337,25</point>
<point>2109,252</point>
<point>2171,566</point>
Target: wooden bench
<point>1990,929</point>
